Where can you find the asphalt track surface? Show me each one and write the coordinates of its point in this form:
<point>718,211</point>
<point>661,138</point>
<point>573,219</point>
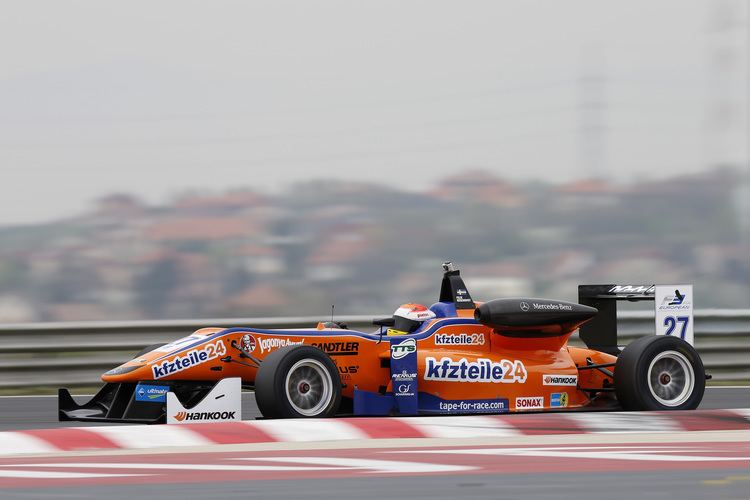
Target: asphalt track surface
<point>40,412</point>
<point>680,466</point>
<point>580,486</point>
<point>641,465</point>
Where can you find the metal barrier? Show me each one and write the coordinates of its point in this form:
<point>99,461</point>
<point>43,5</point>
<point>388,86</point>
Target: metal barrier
<point>76,354</point>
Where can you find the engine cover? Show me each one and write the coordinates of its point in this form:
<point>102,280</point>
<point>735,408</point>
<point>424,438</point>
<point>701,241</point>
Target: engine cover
<point>526,317</point>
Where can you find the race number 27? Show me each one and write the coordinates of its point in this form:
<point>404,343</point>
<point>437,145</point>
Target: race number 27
<point>671,323</point>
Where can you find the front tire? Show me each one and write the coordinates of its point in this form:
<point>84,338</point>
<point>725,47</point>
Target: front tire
<point>659,373</point>
<point>298,382</point>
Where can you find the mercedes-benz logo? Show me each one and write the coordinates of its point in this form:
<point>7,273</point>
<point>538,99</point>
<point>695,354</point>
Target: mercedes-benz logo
<point>525,306</point>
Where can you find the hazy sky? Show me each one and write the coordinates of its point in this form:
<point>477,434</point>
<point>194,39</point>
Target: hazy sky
<point>153,97</point>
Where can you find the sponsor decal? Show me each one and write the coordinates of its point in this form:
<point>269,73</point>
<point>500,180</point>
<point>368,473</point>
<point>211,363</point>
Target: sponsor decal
<point>644,289</point>
<point>525,306</point>
<point>571,380</point>
<point>474,406</point>
<point>558,399</point>
<point>429,403</point>
<point>675,302</point>
<point>674,311</point>
<point>202,416</point>
<point>392,331</point>
<point>346,371</point>
<point>462,295</point>
<point>268,344</point>
<point>459,339</point>
<point>404,383</point>
<point>403,349</point>
<point>248,343</point>
<point>530,403</point>
<point>404,389</point>
<point>151,393</point>
<point>338,348</point>
<point>404,376</point>
<point>551,307</point>
<point>191,358</point>
<point>481,370</point>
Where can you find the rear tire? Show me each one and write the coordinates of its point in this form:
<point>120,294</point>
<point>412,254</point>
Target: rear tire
<point>298,382</point>
<point>659,373</point>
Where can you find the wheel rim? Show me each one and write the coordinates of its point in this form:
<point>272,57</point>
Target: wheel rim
<point>671,378</point>
<point>309,387</point>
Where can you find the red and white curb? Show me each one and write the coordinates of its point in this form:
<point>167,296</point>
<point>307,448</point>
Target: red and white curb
<point>121,437</point>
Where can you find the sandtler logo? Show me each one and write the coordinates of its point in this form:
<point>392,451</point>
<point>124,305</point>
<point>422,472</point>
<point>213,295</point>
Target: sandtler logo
<point>529,403</point>
<point>571,380</point>
<point>191,358</point>
<point>204,415</point>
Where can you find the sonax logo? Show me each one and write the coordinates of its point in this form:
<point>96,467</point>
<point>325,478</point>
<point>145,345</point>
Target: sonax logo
<point>530,403</point>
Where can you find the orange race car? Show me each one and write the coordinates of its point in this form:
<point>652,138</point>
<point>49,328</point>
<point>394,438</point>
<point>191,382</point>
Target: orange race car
<point>455,357</point>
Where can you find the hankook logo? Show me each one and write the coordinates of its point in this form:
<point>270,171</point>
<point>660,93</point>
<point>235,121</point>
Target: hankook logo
<point>204,415</point>
<point>571,380</point>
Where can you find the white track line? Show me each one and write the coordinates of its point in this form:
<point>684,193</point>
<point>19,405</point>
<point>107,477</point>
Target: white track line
<point>465,426</point>
<point>40,474</point>
<point>150,436</point>
<point>14,442</point>
<point>308,430</point>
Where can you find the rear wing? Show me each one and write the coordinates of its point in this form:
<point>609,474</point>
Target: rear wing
<point>673,306</point>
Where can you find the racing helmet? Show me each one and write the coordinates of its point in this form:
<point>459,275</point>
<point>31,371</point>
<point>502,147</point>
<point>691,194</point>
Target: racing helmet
<point>409,317</point>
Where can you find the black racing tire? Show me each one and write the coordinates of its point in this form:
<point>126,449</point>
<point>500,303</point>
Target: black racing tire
<point>298,382</point>
<point>659,373</point>
<point>148,349</point>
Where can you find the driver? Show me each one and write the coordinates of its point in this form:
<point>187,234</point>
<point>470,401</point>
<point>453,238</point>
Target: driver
<point>409,317</point>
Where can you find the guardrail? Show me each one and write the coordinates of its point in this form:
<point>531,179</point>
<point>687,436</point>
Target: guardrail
<point>76,354</point>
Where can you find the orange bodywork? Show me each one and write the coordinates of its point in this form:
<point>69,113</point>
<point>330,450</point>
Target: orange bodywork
<point>535,373</point>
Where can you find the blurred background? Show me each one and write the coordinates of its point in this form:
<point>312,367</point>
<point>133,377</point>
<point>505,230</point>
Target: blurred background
<point>182,159</point>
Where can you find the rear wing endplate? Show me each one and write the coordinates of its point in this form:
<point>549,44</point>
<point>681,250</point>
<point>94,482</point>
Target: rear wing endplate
<point>673,306</point>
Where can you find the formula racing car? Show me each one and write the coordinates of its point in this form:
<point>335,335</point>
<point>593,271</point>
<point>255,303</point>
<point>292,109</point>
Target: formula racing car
<point>457,356</point>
